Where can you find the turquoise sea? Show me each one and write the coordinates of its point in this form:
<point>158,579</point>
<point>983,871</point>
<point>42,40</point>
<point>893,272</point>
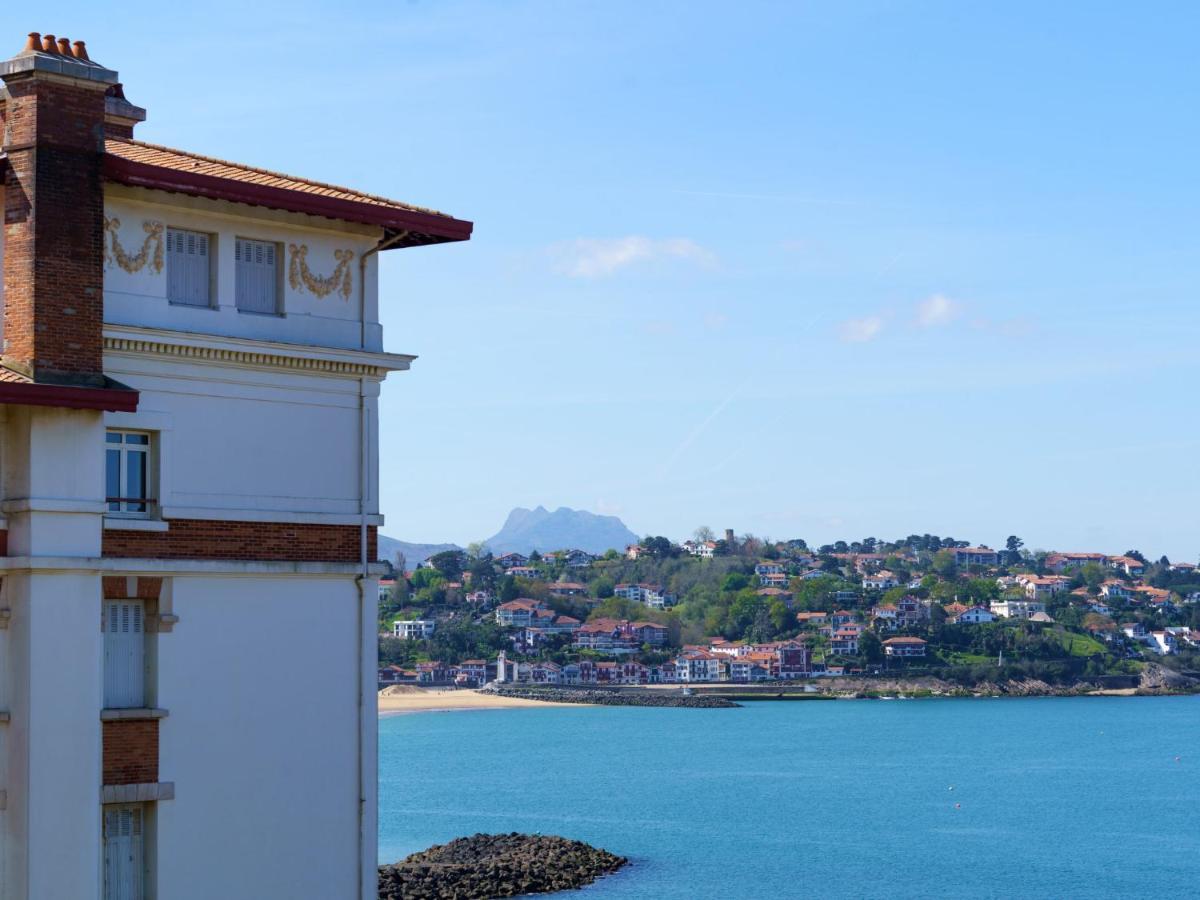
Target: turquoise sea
<point>1056,798</point>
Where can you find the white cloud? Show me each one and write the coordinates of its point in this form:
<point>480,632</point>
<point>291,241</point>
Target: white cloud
<point>601,257</point>
<point>937,310</point>
<point>859,331</point>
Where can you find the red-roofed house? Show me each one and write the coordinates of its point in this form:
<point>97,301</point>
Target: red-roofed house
<point>904,647</point>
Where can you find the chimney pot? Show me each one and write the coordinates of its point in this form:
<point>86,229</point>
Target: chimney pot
<point>33,43</point>
<point>80,50</point>
<point>64,46</point>
<point>48,44</point>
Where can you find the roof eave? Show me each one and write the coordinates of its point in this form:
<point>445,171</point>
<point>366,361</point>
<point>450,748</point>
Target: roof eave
<point>421,228</point>
<point>109,399</point>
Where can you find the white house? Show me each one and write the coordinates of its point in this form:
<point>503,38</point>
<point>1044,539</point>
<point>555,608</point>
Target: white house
<point>189,423</point>
<point>1114,589</point>
<point>530,572</point>
<point>697,665</point>
<point>413,629</point>
<point>1017,609</point>
<point>522,613</point>
<point>1163,643</point>
<point>1135,630</point>
<point>1130,565</point>
<point>1042,587</point>
<point>880,581</point>
<point>1061,562</point>
<point>904,647</point>
<point>975,615</point>
<point>578,559</point>
<point>975,556</point>
<point>654,596</point>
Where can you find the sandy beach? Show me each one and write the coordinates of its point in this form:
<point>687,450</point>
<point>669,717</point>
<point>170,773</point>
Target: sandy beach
<point>404,698</point>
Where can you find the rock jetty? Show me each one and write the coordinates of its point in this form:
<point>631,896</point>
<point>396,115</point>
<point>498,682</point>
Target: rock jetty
<point>496,865</point>
<point>615,698</point>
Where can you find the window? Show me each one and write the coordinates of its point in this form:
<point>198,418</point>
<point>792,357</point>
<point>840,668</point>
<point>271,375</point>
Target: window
<point>188,270</point>
<point>124,654</point>
<point>124,852</point>
<point>257,281</point>
<point>127,470</point>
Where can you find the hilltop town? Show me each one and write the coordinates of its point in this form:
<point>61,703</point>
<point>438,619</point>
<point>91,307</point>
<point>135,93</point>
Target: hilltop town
<point>745,610</point>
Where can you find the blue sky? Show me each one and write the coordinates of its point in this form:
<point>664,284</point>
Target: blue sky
<point>805,270</point>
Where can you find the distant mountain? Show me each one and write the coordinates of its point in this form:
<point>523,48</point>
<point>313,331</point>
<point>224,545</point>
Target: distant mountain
<point>414,554</point>
<point>541,530</point>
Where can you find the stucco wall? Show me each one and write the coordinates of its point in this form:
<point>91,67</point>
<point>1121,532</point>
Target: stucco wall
<point>140,297</point>
<point>251,444</point>
<point>261,679</point>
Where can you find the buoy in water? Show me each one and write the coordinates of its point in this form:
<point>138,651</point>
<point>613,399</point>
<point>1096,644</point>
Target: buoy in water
<point>958,806</point>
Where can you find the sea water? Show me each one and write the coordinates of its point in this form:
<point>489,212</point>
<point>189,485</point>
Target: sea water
<point>976,798</point>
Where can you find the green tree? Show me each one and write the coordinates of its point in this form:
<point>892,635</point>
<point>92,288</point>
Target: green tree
<point>944,565</point>
<point>449,563</point>
<point>660,547</point>
<point>483,573</point>
<point>735,581</point>
<point>762,629</point>
<point>424,579</point>
<point>507,589</point>
<point>1093,576</point>
<point>870,647</point>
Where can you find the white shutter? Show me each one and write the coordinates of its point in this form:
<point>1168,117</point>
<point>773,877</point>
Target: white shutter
<point>257,282</point>
<point>124,856</point>
<point>124,655</point>
<point>188,267</point>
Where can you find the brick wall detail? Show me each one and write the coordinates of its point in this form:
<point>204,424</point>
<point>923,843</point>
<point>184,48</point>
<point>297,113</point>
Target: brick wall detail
<point>116,587</point>
<point>130,751</point>
<point>255,541</point>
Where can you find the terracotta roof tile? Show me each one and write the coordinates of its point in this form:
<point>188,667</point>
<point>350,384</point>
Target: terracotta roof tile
<point>184,161</point>
<point>11,377</point>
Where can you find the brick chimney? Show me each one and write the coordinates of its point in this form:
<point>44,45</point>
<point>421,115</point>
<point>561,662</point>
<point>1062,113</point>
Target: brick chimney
<point>55,109</point>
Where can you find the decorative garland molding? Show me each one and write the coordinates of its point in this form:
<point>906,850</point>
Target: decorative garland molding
<point>134,264</point>
<point>299,276</point>
<point>328,362</point>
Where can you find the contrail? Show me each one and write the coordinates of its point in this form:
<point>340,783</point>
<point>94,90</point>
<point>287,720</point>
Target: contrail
<point>717,410</point>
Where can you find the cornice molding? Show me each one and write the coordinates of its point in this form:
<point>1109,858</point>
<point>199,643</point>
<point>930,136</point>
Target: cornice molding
<point>253,354</point>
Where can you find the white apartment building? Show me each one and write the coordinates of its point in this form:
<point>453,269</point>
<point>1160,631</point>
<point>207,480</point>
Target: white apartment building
<point>1017,609</point>
<point>188,466</point>
<point>413,629</point>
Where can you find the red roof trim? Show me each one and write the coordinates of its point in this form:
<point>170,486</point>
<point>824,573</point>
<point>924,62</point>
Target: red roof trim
<point>433,229</point>
<point>65,397</point>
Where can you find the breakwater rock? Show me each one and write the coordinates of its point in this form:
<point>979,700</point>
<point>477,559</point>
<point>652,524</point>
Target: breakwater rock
<point>496,865</point>
<point>1156,679</point>
<point>615,697</point>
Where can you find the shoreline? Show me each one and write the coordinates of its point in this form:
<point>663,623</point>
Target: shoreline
<point>410,699</point>
<point>393,701</point>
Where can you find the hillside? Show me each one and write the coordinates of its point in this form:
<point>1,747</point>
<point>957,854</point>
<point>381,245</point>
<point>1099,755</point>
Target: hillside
<point>539,529</point>
<point>414,554</point>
